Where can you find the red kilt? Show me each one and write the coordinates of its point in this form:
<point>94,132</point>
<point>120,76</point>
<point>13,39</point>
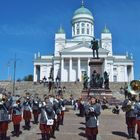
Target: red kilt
<point>131,122</point>
<point>16,119</point>
<point>45,128</point>
<point>3,127</point>
<point>138,126</point>
<point>36,113</point>
<point>62,114</point>
<point>27,115</point>
<point>91,131</point>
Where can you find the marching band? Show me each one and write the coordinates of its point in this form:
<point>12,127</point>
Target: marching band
<point>50,109</point>
<point>49,113</point>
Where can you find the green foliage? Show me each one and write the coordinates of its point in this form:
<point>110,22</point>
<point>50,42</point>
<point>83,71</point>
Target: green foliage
<point>28,78</point>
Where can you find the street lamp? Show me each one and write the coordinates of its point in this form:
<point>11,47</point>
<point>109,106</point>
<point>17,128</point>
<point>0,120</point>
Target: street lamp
<point>14,72</point>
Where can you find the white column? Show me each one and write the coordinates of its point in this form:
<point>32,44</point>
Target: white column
<point>88,67</point>
<point>132,73</point>
<point>125,73</point>
<point>70,68</point>
<point>79,69</point>
<point>35,74</point>
<point>62,68</point>
<point>111,72</point>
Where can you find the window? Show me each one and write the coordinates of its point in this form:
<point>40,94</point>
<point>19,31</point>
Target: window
<point>87,31</point>
<point>83,24</point>
<point>78,31</point>
<point>83,30</point>
<point>115,78</point>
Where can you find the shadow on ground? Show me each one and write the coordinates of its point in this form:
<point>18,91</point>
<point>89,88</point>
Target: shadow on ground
<point>119,133</point>
<point>82,134</point>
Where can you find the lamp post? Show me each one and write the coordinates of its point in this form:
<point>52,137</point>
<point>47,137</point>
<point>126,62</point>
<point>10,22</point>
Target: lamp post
<point>14,72</point>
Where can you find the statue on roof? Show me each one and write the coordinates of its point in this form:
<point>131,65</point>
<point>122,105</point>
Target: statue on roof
<point>95,47</point>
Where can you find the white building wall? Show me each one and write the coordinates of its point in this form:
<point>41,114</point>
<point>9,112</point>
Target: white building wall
<point>35,74</point>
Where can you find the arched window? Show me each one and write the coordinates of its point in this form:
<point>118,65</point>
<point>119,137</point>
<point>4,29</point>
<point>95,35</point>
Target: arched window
<point>87,30</point>
<point>83,28</point>
<point>78,28</point>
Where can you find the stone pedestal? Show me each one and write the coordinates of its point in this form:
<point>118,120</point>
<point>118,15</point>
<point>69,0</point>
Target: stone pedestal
<point>97,65</point>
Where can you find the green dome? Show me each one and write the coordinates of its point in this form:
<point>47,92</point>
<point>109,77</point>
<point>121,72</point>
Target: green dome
<point>82,10</point>
<point>105,30</point>
<point>60,30</point>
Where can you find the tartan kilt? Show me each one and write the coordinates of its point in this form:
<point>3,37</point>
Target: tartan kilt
<point>36,112</point>
<point>47,129</point>
<point>91,131</point>
<point>3,127</point>
<point>27,115</point>
<point>16,119</point>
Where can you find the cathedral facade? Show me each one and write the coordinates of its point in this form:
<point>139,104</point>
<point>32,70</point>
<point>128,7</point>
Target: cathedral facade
<point>72,56</point>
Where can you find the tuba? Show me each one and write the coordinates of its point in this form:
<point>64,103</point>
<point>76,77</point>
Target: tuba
<point>133,90</point>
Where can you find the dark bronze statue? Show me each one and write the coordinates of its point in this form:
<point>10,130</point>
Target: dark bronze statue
<point>96,80</point>
<point>106,80</point>
<point>95,47</point>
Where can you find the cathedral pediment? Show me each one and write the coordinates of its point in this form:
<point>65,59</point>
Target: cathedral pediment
<point>82,48</point>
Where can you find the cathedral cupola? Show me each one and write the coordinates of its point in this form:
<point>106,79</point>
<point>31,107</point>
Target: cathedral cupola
<point>82,24</point>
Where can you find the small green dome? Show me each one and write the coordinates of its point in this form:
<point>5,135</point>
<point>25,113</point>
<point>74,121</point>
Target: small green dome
<point>82,10</point>
<point>105,30</point>
<point>61,30</point>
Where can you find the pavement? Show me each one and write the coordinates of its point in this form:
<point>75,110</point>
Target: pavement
<point>111,127</point>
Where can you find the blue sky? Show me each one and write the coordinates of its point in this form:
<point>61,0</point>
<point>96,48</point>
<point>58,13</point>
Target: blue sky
<point>29,26</point>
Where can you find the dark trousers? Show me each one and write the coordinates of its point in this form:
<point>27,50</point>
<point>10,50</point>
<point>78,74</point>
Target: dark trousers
<point>3,136</point>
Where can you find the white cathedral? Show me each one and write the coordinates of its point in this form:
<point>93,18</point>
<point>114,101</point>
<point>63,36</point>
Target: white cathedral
<point>72,56</point>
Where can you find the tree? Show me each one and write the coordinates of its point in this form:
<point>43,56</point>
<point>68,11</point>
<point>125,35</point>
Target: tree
<point>28,78</point>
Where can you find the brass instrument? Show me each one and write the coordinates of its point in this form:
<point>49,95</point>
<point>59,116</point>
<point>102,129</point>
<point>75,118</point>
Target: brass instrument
<point>133,90</point>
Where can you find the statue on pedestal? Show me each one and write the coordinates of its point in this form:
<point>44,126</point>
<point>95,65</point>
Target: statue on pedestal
<point>95,47</point>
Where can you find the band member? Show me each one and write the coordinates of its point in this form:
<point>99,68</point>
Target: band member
<point>46,119</point>
<point>57,109</point>
<point>16,116</point>
<point>27,112</point>
<point>36,109</point>
<point>128,107</point>
<point>92,111</point>
<point>137,111</point>
<point>81,107</point>
<point>62,104</point>
<point>4,118</point>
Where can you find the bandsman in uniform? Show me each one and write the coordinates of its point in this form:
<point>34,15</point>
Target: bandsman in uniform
<point>57,109</point>
<point>36,108</point>
<point>128,107</point>
<point>16,112</point>
<point>62,104</point>
<point>47,119</point>
<point>137,111</point>
<point>27,111</point>
<point>4,118</point>
<point>136,83</point>
<point>92,111</point>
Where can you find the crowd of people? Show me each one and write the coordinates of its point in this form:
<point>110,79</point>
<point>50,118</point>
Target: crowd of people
<point>48,113</point>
